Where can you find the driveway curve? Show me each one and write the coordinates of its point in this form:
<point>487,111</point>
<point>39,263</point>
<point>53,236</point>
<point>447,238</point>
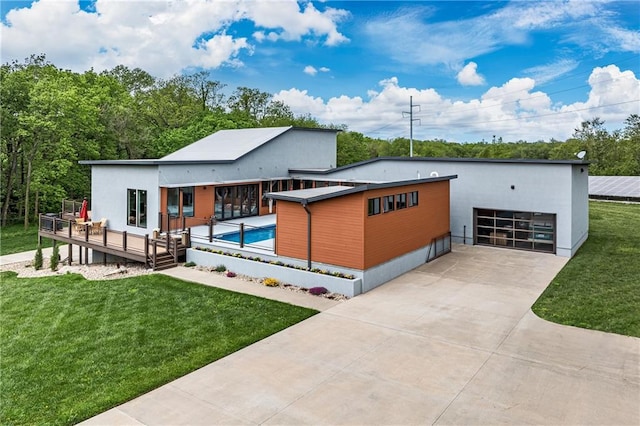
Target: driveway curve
<point>451,342</point>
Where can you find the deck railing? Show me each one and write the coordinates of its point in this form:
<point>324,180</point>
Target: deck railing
<point>118,241</point>
<point>71,207</point>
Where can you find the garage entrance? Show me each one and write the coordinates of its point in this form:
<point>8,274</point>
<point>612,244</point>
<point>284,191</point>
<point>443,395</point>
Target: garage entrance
<point>513,229</point>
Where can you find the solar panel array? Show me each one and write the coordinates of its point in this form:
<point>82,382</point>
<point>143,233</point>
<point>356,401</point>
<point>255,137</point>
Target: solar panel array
<point>615,186</point>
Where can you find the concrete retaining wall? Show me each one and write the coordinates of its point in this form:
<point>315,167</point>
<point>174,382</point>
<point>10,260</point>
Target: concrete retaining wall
<point>255,269</point>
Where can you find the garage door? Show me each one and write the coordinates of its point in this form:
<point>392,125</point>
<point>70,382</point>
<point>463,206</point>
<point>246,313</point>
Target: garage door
<point>513,229</point>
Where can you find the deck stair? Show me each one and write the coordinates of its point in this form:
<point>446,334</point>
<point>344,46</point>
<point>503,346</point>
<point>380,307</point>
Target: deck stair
<point>166,259</point>
<point>163,261</point>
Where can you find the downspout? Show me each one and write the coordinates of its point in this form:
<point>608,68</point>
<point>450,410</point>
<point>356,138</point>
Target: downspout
<point>304,205</point>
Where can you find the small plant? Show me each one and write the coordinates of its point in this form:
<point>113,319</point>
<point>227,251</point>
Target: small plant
<point>271,282</point>
<point>220,268</point>
<point>37,261</point>
<point>317,291</point>
<point>189,264</point>
<point>55,258</point>
<point>230,274</point>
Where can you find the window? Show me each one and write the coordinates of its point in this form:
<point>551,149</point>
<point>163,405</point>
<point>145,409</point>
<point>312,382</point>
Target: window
<point>187,201</point>
<point>236,201</point>
<point>173,201</point>
<point>388,203</point>
<point>374,206</point>
<point>401,201</point>
<point>137,207</point>
<point>413,198</point>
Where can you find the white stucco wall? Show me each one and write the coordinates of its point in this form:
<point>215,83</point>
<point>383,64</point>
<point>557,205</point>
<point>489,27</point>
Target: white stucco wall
<point>295,148</point>
<point>109,184</point>
<point>579,207</point>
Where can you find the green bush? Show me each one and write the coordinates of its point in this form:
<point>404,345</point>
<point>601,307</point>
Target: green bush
<point>221,268</point>
<point>189,264</point>
<point>55,258</point>
<point>37,261</point>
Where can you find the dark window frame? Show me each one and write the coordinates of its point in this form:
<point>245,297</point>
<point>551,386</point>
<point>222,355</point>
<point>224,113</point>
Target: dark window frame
<point>388,203</point>
<point>374,206</point>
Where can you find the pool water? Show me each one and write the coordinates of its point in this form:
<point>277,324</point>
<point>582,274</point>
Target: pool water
<point>252,235</point>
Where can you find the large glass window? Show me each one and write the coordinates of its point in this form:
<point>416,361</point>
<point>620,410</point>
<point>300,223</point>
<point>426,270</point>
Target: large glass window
<point>137,207</point>
<point>401,201</point>
<point>173,201</point>
<point>187,201</point>
<point>236,201</point>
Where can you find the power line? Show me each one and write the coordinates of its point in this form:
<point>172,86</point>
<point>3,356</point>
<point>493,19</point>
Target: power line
<point>411,120</point>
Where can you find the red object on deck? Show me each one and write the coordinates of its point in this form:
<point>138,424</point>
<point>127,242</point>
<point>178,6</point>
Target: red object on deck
<point>84,214</point>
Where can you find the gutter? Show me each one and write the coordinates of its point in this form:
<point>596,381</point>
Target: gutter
<point>304,206</point>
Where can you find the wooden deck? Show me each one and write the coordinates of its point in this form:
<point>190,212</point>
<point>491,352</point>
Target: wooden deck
<point>153,253</point>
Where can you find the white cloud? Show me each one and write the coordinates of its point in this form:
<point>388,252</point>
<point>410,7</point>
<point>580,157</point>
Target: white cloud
<point>468,76</point>
<point>514,111</point>
<point>548,72</point>
<point>161,37</point>
<point>312,71</point>
<point>409,36</point>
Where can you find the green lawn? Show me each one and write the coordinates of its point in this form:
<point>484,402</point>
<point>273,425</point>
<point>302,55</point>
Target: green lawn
<point>72,348</point>
<point>600,287</point>
<point>14,239</point>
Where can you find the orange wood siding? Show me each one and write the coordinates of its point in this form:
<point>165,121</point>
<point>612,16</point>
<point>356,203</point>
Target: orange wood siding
<point>336,231</point>
<point>343,234</point>
<point>163,200</point>
<point>202,204</point>
<point>291,230</point>
<point>398,232</point>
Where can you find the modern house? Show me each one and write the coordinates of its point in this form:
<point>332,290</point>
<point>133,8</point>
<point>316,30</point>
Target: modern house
<point>375,219</point>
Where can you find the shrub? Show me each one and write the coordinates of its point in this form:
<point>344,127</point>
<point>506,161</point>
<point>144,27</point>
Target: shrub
<point>271,282</point>
<point>37,261</point>
<point>317,291</point>
<point>189,264</point>
<point>221,268</point>
<point>230,274</point>
<point>55,258</point>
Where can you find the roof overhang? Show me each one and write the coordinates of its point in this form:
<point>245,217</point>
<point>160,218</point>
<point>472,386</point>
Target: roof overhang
<point>312,195</point>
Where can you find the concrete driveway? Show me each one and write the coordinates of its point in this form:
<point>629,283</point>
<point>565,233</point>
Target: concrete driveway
<point>452,342</point>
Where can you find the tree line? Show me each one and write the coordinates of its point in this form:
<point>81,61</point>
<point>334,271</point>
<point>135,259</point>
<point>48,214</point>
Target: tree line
<point>52,118</point>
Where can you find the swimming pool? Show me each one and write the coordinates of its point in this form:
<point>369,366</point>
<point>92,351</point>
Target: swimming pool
<point>252,235</point>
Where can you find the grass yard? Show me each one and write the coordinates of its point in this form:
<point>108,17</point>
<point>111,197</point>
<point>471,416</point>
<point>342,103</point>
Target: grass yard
<point>599,288</point>
<point>73,348</point>
<point>14,239</point>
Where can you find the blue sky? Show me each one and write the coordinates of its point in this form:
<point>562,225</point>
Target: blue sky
<point>523,70</point>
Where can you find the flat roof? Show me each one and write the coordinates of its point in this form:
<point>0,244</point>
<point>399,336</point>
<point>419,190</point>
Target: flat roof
<point>615,186</point>
<point>311,195</point>
<point>444,160</point>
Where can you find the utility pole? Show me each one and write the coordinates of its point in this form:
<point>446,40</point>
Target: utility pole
<point>411,120</point>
